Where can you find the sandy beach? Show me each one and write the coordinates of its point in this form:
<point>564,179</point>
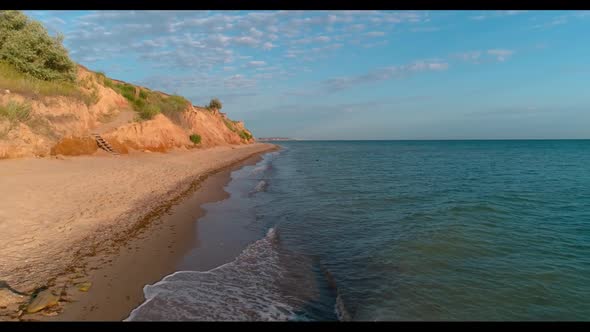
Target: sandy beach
<point>113,223</point>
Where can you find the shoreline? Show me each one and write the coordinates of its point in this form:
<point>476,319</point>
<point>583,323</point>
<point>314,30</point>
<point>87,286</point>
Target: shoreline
<point>133,249</point>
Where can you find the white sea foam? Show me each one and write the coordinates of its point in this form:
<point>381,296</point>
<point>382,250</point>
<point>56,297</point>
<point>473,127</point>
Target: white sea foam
<point>244,289</point>
<point>341,312</point>
<point>261,186</point>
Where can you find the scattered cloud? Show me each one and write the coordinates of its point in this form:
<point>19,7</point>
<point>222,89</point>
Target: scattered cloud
<point>563,19</point>
<point>382,74</point>
<point>256,64</point>
<point>478,56</point>
<point>375,34</point>
<point>425,29</point>
<point>500,54</point>
<point>470,56</point>
<point>239,81</point>
<point>208,44</point>
<point>496,14</point>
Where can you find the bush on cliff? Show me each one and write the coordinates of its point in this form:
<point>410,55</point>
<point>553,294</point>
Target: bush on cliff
<point>145,102</point>
<point>15,112</point>
<point>245,135</point>
<point>215,104</point>
<point>195,138</point>
<point>26,45</point>
<point>33,63</point>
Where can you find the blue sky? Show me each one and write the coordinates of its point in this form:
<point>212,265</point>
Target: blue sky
<point>354,74</point>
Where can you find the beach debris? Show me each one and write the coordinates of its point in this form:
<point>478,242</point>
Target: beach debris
<point>44,299</point>
<point>84,286</point>
<point>5,285</point>
<point>7,297</point>
<point>9,304</point>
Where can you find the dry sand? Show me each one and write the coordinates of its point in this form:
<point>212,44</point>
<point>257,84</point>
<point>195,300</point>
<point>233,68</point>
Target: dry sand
<point>85,219</point>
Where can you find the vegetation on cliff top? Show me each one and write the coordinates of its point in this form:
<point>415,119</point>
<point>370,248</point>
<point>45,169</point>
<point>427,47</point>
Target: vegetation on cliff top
<point>215,104</point>
<point>26,45</point>
<point>145,102</point>
<point>244,134</point>
<point>33,63</point>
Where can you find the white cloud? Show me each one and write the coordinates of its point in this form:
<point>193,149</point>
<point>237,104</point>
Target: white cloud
<point>382,74</point>
<point>255,33</point>
<point>425,29</point>
<point>500,54</point>
<point>375,34</point>
<point>256,63</point>
<point>478,56</point>
<point>513,12</point>
<point>238,81</point>
<point>497,14</point>
<point>246,40</point>
<point>355,28</point>
<point>471,56</point>
<point>268,46</point>
<point>205,43</point>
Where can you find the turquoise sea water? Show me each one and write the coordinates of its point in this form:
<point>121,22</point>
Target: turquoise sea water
<point>399,230</point>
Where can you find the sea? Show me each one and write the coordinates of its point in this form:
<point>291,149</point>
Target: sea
<point>481,230</point>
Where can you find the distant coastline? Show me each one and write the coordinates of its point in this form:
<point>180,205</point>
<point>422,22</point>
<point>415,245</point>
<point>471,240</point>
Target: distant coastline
<point>260,139</point>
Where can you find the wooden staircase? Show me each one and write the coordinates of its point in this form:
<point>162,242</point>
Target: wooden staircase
<point>104,144</point>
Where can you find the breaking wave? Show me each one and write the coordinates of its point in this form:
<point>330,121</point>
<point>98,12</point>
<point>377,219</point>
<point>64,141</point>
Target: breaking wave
<point>247,288</point>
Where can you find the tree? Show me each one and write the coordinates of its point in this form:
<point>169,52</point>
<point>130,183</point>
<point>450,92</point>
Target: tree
<point>26,44</point>
<point>215,104</point>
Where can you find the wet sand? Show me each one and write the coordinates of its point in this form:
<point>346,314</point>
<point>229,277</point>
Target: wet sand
<point>118,256</point>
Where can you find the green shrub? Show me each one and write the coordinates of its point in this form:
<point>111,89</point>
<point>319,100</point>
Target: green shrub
<point>148,103</point>
<point>26,45</point>
<point>127,91</point>
<point>195,138</point>
<point>215,104</point>
<point>148,112</point>
<point>245,135</point>
<point>229,124</point>
<point>16,112</point>
<point>108,83</point>
<point>172,104</point>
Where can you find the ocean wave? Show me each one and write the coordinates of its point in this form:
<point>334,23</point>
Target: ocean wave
<point>261,186</point>
<point>262,168</point>
<point>246,289</point>
<point>340,309</point>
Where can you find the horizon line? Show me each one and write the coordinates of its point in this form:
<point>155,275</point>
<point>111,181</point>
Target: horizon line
<point>436,139</point>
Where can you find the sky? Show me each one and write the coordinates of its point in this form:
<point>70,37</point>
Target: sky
<point>354,74</point>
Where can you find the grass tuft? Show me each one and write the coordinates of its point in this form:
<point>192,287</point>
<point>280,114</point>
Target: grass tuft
<point>17,82</point>
<point>15,112</point>
<point>195,138</point>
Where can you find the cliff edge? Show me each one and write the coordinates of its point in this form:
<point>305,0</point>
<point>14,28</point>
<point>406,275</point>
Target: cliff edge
<point>49,105</point>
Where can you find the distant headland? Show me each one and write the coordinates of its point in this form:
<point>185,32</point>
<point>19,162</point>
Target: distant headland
<point>276,139</point>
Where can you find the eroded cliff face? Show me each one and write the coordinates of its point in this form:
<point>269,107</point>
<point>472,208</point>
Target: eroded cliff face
<point>63,125</point>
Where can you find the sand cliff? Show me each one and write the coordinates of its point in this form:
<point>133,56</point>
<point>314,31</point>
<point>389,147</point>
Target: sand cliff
<point>62,125</point>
